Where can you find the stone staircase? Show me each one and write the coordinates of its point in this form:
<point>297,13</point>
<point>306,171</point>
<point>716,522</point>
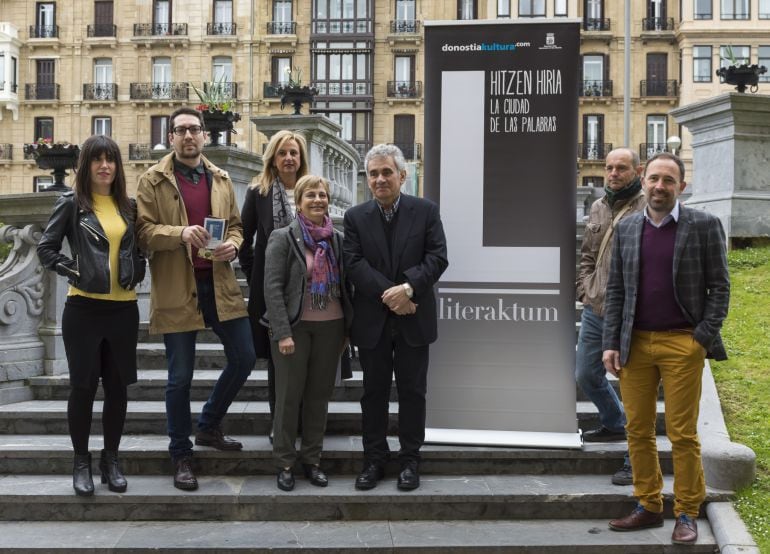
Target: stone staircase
<point>472,499</point>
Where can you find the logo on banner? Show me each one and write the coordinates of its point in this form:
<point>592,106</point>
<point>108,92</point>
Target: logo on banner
<point>484,47</point>
<point>550,43</point>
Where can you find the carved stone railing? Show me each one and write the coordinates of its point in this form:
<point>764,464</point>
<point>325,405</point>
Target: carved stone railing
<point>30,298</point>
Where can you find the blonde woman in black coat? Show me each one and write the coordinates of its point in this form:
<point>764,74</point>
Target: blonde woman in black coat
<point>269,205</point>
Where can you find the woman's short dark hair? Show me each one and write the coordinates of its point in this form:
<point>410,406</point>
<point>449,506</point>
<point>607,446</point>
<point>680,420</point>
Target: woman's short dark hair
<point>92,149</point>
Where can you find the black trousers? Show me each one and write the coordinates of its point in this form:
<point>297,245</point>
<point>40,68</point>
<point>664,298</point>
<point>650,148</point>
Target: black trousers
<point>410,364</point>
<point>100,339</point>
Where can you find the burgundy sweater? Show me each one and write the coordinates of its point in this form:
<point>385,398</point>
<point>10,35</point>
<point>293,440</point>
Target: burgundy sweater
<point>197,202</point>
<point>656,305</point>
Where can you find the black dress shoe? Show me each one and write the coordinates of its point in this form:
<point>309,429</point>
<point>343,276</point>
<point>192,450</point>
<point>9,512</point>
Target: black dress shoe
<point>369,476</point>
<point>184,478</point>
<point>216,439</point>
<point>602,434</point>
<point>82,479</point>
<point>315,475</point>
<point>285,480</point>
<point>409,478</point>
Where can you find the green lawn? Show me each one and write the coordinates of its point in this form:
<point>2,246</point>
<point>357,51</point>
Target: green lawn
<point>744,379</point>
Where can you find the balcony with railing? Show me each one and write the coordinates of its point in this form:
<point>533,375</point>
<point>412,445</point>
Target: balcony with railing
<point>270,89</point>
<point>159,29</point>
<point>160,34</point>
<point>228,88</point>
<point>41,92</point>
<point>101,30</point>
<point>405,89</point>
<point>405,26</point>
<point>158,91</point>
<point>138,152</point>
<point>281,27</point>
<point>28,152</point>
<point>342,26</point>
<point>595,24</point>
<point>100,92</point>
<point>594,151</point>
<point>8,87</point>
<point>6,152</point>
<point>648,149</point>
<point>405,32</point>
<point>668,89</point>
<point>43,31</point>
<point>664,25</point>
<point>411,150</point>
<point>222,28</point>
<point>595,88</point>
<point>344,88</point>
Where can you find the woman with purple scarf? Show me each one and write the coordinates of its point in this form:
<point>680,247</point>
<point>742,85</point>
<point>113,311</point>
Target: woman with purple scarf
<point>308,314</point>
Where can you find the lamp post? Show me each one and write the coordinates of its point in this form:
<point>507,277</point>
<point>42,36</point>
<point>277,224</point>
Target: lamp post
<point>673,143</point>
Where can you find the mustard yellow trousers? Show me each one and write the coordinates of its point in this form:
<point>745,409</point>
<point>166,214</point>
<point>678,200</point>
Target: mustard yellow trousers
<point>676,359</point>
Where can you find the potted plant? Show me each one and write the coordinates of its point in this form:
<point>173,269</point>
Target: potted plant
<point>216,106</point>
<point>55,156</point>
<point>741,75</point>
<point>295,93</point>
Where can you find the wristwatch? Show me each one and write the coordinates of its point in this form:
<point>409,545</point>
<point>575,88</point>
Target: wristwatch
<point>408,289</point>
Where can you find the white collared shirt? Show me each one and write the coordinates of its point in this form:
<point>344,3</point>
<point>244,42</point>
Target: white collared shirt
<point>674,214</point>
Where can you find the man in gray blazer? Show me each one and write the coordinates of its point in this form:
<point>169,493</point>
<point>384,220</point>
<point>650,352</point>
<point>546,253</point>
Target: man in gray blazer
<point>667,296</point>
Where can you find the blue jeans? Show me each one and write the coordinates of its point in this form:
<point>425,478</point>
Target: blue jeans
<point>591,375</point>
<point>235,335</point>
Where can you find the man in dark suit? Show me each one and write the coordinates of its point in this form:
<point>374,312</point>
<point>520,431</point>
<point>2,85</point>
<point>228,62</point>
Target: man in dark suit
<point>667,296</point>
<point>395,251</point>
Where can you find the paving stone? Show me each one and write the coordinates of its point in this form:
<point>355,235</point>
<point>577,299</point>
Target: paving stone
<point>584,536</point>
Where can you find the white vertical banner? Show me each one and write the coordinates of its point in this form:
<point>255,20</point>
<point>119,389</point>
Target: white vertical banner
<point>500,151</point>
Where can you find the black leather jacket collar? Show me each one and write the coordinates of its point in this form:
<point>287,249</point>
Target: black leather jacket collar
<point>89,269</point>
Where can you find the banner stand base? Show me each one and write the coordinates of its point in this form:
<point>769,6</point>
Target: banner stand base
<point>525,439</point>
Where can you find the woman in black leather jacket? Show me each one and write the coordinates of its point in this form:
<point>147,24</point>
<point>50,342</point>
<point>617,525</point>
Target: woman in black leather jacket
<point>101,319</point>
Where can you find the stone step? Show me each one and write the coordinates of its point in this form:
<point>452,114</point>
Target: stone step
<point>152,382</point>
<point>151,385</point>
<point>148,455</point>
<point>257,498</point>
<point>580,536</point>
<point>149,417</point>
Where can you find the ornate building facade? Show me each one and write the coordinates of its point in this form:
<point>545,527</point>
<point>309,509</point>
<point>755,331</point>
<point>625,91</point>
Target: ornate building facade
<point>119,67</point>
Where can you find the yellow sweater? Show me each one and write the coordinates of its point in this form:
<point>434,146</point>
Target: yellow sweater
<point>106,211</point>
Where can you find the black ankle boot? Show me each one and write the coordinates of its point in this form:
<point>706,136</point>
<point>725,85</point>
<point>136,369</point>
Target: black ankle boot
<point>82,480</point>
<point>110,470</point>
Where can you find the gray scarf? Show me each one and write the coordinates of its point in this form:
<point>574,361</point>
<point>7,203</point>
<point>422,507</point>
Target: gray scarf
<point>282,215</point>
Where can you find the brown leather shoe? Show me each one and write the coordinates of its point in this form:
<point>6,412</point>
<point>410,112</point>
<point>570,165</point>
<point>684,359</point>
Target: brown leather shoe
<point>638,519</point>
<point>216,439</point>
<point>685,530</point>
<point>184,478</point>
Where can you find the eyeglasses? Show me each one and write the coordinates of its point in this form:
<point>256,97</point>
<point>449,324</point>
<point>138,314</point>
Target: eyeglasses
<point>181,131</point>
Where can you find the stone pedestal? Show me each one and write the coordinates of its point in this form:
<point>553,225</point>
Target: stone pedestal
<point>328,154</point>
<point>730,141</point>
<point>242,166</point>
<point>31,298</point>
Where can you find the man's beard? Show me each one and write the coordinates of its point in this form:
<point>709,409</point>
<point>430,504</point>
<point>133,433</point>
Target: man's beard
<point>192,154</point>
